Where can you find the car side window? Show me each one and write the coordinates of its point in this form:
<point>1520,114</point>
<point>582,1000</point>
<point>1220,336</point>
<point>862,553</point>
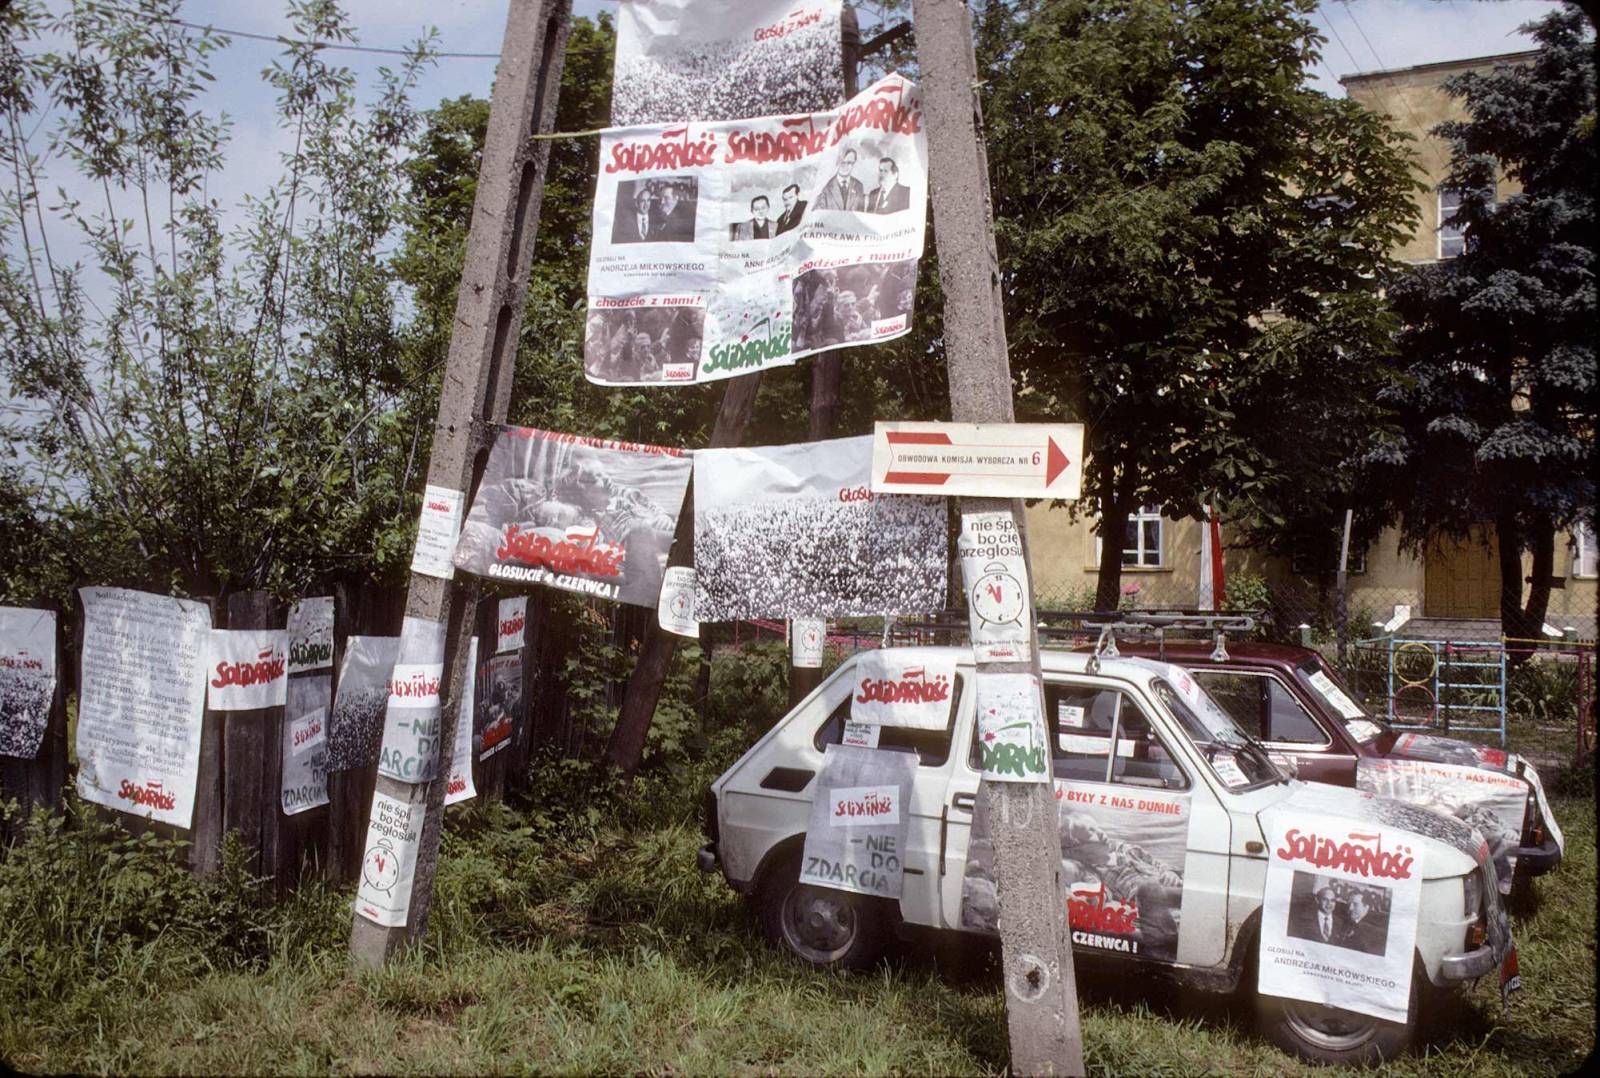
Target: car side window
<point>1288,720</point>
<point>1142,759</point>
<point>1262,706</point>
<point>931,746</point>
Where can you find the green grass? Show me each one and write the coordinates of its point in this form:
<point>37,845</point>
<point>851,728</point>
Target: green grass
<point>584,945</point>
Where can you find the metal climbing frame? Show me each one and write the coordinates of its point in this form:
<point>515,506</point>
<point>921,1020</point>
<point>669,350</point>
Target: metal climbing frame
<point>1444,685</point>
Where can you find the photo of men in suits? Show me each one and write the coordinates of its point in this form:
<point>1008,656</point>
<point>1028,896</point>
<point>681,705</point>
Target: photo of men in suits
<point>1339,913</point>
<point>636,222</point>
<point>890,196</point>
<point>655,211</point>
<point>794,207</point>
<point>843,191</point>
<point>1365,929</point>
<point>675,215</point>
<point>1321,922</point>
<point>758,227</point>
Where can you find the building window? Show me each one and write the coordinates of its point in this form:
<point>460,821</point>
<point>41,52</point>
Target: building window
<point>1144,540</point>
<point>1453,238</point>
<point>1583,550</point>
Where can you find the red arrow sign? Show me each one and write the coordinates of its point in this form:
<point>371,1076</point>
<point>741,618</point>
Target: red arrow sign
<point>1056,463</point>
<point>1002,460</point>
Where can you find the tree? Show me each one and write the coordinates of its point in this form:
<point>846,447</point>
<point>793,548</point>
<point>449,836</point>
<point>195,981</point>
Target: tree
<point>1194,244</point>
<point>1499,404</point>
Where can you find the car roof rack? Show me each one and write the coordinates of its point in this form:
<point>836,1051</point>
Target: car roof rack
<point>1104,625</point>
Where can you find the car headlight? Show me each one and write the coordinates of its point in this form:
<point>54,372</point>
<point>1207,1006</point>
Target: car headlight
<point>1472,894</point>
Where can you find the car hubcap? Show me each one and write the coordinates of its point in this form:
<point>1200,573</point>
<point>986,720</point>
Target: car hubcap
<point>1330,1029</point>
<point>819,924</point>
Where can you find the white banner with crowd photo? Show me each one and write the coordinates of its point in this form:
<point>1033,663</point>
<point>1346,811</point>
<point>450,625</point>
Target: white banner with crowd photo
<point>27,678</point>
<point>586,515</point>
<point>729,247</point>
<point>683,60</point>
<point>794,532</point>
<point>856,837</point>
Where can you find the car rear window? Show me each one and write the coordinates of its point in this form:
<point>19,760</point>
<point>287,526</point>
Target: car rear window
<point>931,746</point>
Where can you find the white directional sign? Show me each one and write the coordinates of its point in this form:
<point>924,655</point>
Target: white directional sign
<point>993,460</point>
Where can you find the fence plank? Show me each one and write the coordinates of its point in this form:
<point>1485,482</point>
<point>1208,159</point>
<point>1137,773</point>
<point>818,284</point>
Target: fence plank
<point>252,749</point>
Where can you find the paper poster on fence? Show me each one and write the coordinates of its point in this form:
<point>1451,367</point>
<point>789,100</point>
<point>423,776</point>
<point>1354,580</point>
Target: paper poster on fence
<point>1339,916</point>
<point>1011,735</point>
<point>141,702</point>
<point>411,718</point>
<point>460,786</point>
<point>500,703</point>
<point>247,669</point>
<point>856,837</point>
<point>311,635</point>
<point>1493,802</point>
<point>729,247</point>
<point>305,743</point>
<point>27,678</point>
<point>792,531</point>
<point>911,687</point>
<point>995,575</point>
<point>394,834</point>
<point>725,59</point>
<point>586,515</point>
<point>1122,863</point>
<point>511,624</point>
<point>356,724</point>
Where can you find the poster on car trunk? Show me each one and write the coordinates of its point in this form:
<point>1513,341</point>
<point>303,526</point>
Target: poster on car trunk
<point>1339,916</point>
<point>311,635</point>
<point>995,575</point>
<point>411,719</point>
<point>856,837</point>
<point>793,532</point>
<point>27,678</point>
<point>512,624</point>
<point>909,687</point>
<point>460,786</point>
<point>500,705</point>
<point>725,59</point>
<point>141,702</point>
<point>724,248</point>
<point>585,515</point>
<point>305,743</point>
<point>1493,802</point>
<point>356,724</point>
<point>394,834</point>
<point>1011,735</point>
<point>1122,860</point>
<point>247,669</point>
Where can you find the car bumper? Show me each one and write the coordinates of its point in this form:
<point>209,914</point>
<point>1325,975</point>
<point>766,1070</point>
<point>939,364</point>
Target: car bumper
<point>1537,860</point>
<point>1470,966</point>
<point>706,860</point>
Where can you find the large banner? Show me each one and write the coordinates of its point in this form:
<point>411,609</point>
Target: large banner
<point>726,248</point>
<point>581,514</point>
<point>904,687</point>
<point>793,532</point>
<point>1122,860</point>
<point>856,837</point>
<point>305,743</point>
<point>1493,802</point>
<point>356,724</point>
<point>27,678</point>
<point>142,702</point>
<point>725,59</point>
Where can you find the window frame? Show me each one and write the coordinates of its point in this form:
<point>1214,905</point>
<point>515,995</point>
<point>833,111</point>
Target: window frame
<point>1136,520</point>
<point>1453,233</point>
<point>1583,543</point>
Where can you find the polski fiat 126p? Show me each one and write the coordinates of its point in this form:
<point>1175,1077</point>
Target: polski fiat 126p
<point>1165,808</point>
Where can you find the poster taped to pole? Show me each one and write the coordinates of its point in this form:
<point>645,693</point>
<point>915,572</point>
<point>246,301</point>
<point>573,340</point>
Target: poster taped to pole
<point>248,669</point>
<point>311,635</point>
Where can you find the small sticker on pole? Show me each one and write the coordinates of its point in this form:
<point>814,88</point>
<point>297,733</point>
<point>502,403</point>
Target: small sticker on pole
<point>807,637</point>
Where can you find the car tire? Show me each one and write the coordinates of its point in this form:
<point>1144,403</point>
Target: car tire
<point>824,928</point>
<point>1330,1036</point>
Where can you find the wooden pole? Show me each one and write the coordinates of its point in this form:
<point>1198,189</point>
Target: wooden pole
<point>1041,990</point>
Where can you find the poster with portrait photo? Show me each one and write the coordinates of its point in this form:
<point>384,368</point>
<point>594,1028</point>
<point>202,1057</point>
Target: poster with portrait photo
<point>760,207</point>
<point>640,340</point>
<point>586,515</point>
<point>853,304</point>
<point>500,705</point>
<point>794,532</point>
<point>27,678</point>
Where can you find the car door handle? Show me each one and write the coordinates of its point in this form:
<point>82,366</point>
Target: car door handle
<point>964,802</point>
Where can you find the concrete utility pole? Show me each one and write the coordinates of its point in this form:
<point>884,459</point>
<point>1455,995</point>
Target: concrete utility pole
<point>1041,991</point>
<point>476,389</point>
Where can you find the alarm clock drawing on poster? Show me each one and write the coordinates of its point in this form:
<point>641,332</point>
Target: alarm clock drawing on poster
<point>381,867</point>
<point>997,596</point>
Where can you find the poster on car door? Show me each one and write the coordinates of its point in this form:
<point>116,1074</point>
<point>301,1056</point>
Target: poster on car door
<point>725,59</point>
<point>27,678</point>
<point>311,635</point>
<point>141,702</point>
<point>394,834</point>
<point>409,751</point>
<point>356,723</point>
<point>909,687</point>
<point>995,575</point>
<point>724,248</point>
<point>856,838</point>
<point>1011,735</point>
<point>1122,860</point>
<point>1493,802</point>
<point>460,786</point>
<point>1339,915</point>
<point>500,705</point>
<point>586,515</point>
<point>792,531</point>
<point>305,743</point>
<point>247,669</point>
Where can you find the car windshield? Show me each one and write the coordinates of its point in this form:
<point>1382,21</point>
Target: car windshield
<point>1315,674</point>
<point>1236,757</point>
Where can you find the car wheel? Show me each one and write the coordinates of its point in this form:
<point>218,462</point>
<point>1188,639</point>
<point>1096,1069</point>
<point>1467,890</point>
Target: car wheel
<point>1329,1035</point>
<point>823,927</point>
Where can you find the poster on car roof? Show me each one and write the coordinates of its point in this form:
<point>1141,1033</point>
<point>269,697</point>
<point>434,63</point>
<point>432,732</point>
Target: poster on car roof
<point>724,248</point>
<point>856,837</point>
<point>27,678</point>
<point>908,687</point>
<point>1122,862</point>
<point>792,531</point>
<point>1339,915</point>
<point>586,515</point>
<point>683,60</point>
<point>1493,802</point>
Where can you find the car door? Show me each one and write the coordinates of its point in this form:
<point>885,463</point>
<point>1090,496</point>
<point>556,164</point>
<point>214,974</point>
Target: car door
<point>1268,709</point>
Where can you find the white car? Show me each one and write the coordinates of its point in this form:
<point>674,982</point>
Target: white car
<point>1120,728</point>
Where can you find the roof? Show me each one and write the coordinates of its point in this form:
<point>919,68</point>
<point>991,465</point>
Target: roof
<point>1440,65</point>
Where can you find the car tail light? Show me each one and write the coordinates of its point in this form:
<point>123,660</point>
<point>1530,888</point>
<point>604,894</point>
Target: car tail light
<point>1477,936</point>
